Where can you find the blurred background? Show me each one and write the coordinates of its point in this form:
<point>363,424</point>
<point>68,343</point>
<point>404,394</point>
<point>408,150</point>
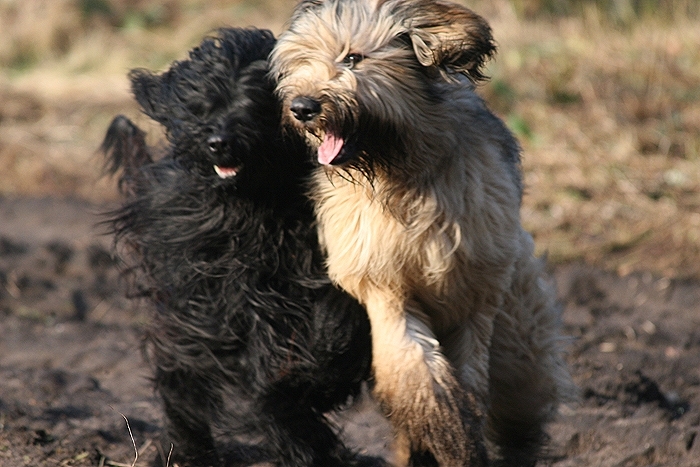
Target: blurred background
<point>604,96</point>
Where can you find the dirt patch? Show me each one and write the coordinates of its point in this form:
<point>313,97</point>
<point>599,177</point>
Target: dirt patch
<point>70,361</point>
<point>634,354</point>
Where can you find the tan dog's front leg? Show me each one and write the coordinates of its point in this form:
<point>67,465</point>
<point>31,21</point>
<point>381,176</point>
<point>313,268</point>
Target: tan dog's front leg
<point>416,386</point>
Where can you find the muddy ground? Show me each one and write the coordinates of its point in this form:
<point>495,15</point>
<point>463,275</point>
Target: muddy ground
<point>71,370</point>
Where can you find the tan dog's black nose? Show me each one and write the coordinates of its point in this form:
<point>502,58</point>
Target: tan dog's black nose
<point>305,108</point>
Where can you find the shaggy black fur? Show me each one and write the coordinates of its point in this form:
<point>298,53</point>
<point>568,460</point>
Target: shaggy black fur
<point>250,342</point>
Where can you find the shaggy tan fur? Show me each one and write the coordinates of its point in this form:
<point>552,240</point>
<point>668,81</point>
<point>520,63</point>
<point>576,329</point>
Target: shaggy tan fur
<point>418,208</point>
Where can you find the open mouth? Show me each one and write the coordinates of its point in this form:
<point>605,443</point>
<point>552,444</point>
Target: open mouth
<point>226,172</point>
<point>334,150</point>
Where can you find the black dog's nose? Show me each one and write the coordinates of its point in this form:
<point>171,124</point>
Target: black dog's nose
<point>305,108</point>
<point>216,144</point>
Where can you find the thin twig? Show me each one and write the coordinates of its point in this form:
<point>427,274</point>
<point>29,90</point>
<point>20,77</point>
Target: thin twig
<point>133,443</point>
<point>167,463</point>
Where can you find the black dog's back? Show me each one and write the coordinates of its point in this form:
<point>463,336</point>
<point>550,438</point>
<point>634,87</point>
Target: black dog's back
<point>249,341</point>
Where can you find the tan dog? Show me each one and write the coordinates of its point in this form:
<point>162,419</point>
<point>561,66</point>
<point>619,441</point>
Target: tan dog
<point>418,201</point>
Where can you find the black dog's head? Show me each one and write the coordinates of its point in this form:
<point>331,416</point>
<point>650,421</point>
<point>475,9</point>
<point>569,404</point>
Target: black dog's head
<point>227,163</point>
<point>219,110</point>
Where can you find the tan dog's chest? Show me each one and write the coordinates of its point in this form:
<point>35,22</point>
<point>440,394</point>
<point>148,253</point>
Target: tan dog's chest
<point>367,245</point>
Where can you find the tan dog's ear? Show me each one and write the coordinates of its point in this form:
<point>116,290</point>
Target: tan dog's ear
<point>449,36</point>
<point>305,5</point>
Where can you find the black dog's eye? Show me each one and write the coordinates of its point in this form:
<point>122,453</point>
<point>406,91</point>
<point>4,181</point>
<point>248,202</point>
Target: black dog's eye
<point>352,59</point>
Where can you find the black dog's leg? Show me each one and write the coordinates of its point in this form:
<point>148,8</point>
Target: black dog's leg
<point>301,438</point>
<point>187,426</point>
<point>340,361</point>
<point>304,438</point>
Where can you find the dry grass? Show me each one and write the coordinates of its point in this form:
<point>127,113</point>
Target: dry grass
<point>605,100</point>
<point>610,122</point>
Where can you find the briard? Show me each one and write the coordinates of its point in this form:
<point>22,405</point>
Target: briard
<point>417,197</point>
<point>250,341</point>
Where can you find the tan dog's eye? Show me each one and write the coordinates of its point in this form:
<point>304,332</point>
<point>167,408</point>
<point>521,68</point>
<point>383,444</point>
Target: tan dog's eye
<point>352,59</point>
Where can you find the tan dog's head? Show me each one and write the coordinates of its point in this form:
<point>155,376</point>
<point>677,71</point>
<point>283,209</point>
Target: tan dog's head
<point>358,76</point>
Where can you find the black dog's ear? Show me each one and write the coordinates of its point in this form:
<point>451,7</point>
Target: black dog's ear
<point>148,91</point>
<point>449,36</point>
<point>242,46</point>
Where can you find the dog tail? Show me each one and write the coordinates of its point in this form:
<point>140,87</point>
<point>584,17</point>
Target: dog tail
<point>125,149</point>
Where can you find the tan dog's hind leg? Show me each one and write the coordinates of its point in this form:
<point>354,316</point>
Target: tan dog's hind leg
<point>415,385</point>
<point>528,375</point>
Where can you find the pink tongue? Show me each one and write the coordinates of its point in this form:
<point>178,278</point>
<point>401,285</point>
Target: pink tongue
<point>329,149</point>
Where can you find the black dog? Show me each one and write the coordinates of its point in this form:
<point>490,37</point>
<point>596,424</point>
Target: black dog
<point>250,341</point>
